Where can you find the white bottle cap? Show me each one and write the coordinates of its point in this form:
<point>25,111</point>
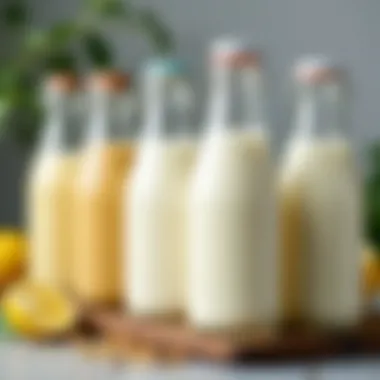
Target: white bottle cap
<point>111,81</point>
<point>316,70</point>
<point>62,82</point>
<point>234,51</point>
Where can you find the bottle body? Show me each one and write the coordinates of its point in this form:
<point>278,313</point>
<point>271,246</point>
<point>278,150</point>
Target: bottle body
<point>320,196</point>
<point>320,207</point>
<point>50,185</point>
<point>49,202</point>
<point>157,218</point>
<point>107,156</point>
<point>232,260</point>
<point>97,273</point>
<point>156,197</point>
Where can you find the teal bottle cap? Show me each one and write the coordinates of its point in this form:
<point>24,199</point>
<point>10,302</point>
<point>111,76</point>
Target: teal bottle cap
<point>166,66</point>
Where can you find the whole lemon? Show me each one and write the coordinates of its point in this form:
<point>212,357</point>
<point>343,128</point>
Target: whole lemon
<point>12,256</point>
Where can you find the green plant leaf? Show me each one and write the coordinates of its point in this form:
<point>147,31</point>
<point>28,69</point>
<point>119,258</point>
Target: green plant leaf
<point>15,88</point>
<point>37,41</point>
<point>155,30</point>
<point>18,104</point>
<point>15,13</point>
<point>52,48</point>
<point>108,8</point>
<point>5,111</point>
<point>62,33</point>
<point>97,50</point>
<point>372,195</point>
<point>45,41</point>
<point>373,157</point>
<point>49,48</point>
<point>372,217</point>
<point>25,124</point>
<point>10,77</point>
<point>62,60</point>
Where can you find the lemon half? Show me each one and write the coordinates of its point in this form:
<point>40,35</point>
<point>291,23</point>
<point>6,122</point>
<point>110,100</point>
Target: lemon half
<point>12,256</point>
<point>38,311</point>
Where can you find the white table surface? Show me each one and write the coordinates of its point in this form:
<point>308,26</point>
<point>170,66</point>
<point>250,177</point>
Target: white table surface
<point>22,361</point>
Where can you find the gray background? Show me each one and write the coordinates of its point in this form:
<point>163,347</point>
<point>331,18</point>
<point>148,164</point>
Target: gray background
<point>347,30</point>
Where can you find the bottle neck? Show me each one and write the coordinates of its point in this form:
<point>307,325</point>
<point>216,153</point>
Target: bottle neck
<point>63,124</point>
<point>319,113</point>
<point>167,102</point>
<point>111,117</point>
<point>236,98</point>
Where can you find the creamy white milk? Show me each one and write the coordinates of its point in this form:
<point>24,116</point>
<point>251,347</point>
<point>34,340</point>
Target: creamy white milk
<point>232,257</point>
<point>156,216</point>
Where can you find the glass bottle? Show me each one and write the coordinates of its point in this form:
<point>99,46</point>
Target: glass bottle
<point>155,199</point>
<point>50,182</point>
<point>320,204</point>
<point>232,261</point>
<point>106,158</point>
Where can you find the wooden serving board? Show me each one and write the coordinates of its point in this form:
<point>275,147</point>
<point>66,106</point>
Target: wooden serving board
<point>176,340</point>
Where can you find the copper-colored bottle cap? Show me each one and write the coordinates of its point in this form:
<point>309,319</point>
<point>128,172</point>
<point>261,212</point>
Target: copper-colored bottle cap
<point>110,81</point>
<point>63,82</point>
<point>317,71</point>
<point>234,52</point>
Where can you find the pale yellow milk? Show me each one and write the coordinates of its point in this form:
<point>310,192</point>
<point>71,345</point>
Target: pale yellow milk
<point>97,269</point>
<point>50,218</point>
<point>321,233</point>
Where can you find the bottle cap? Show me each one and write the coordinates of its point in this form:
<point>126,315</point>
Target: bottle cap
<point>234,52</point>
<point>165,67</point>
<point>316,70</point>
<point>65,82</point>
<point>174,72</point>
<point>109,81</point>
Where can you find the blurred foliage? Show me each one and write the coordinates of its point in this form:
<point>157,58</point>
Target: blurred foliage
<point>372,196</point>
<point>61,47</point>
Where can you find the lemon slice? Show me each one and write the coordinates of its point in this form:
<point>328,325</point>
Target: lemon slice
<point>38,311</point>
